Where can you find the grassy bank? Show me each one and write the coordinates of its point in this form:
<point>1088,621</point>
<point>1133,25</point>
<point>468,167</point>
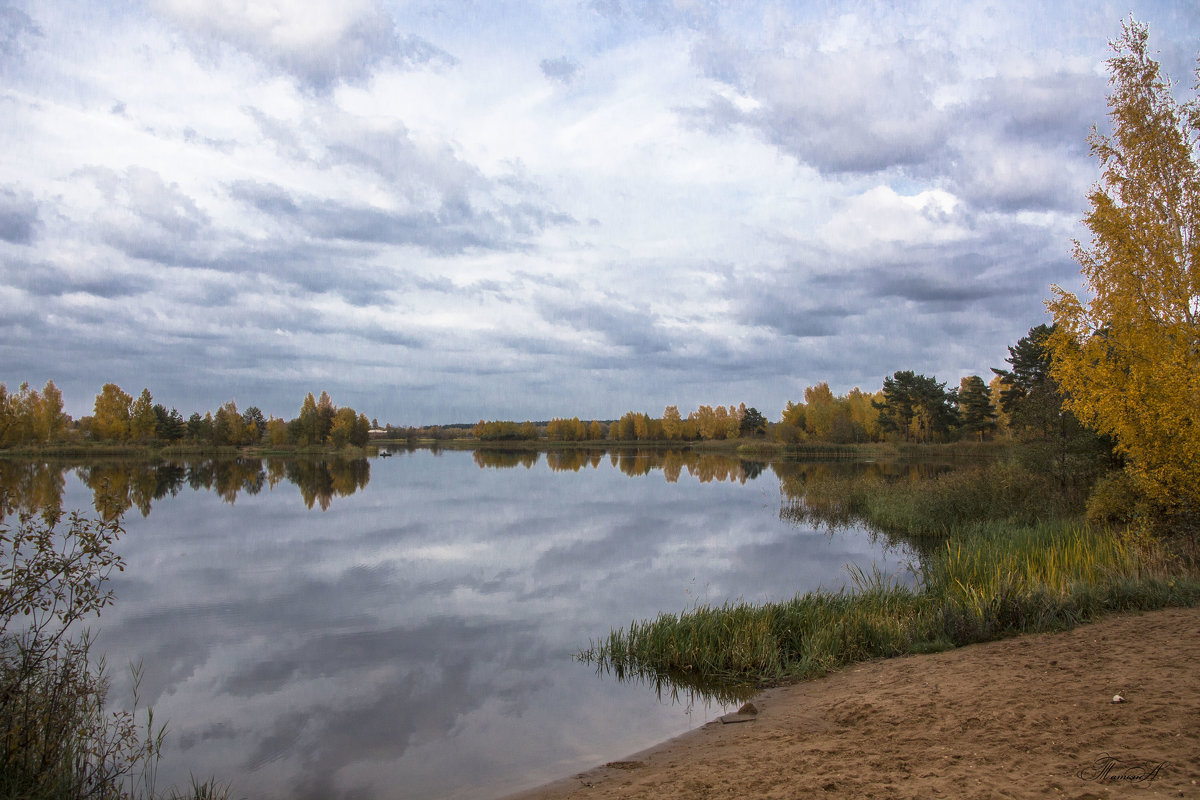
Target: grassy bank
<point>1002,553</point>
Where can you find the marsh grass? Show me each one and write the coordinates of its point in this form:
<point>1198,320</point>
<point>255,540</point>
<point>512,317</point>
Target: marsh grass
<point>999,579</point>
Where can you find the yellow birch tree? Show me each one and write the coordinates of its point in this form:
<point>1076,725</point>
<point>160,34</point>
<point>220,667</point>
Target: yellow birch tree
<point>1128,358</point>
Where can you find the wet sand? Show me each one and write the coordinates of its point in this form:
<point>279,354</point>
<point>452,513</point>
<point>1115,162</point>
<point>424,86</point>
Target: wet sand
<point>1025,717</point>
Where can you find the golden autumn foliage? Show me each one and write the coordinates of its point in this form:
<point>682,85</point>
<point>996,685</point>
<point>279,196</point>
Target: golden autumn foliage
<point>1128,358</point>
<point>28,417</point>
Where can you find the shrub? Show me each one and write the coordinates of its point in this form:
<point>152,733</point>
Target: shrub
<point>57,739</point>
<point>1114,500</point>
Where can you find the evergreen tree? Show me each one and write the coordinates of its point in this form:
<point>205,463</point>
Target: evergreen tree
<point>915,406</point>
<point>976,417</point>
<point>753,423</point>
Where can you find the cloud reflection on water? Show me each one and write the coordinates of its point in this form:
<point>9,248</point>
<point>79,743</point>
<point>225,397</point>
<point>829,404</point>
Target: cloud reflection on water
<point>416,638</point>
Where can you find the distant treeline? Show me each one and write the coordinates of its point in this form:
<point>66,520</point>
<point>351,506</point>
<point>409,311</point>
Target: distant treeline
<point>910,407</point>
<point>29,418</point>
<point>1021,402</point>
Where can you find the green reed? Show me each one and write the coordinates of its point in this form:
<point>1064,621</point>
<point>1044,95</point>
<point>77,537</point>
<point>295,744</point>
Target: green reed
<point>995,580</point>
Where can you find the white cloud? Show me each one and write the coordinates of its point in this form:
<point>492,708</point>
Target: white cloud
<point>881,217</point>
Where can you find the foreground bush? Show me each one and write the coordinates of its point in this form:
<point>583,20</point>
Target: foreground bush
<point>57,739</point>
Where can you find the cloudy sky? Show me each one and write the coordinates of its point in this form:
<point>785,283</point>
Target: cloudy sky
<point>444,211</point>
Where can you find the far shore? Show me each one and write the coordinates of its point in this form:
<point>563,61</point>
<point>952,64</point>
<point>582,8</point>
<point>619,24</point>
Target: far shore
<point>1027,717</point>
<point>741,448</point>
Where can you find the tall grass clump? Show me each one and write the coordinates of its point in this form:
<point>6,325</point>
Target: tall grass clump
<point>996,569</point>
<point>1003,579</point>
<point>753,644</point>
<point>58,741</point>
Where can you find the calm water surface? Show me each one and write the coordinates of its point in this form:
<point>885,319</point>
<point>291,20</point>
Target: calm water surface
<point>415,637</point>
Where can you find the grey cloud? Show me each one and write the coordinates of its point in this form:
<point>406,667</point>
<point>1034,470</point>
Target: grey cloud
<point>800,303</point>
<point>145,193</point>
<point>722,58</point>
<point>18,217</point>
<point>15,28</point>
<point>548,281</point>
<point>836,144</point>
<point>413,172</point>
<point>391,154</point>
<point>635,351</point>
<point>271,199</point>
<point>147,217</point>
<point>164,205</point>
<point>607,8</point>
<point>45,280</point>
<point>347,53</point>
<point>413,51</point>
<point>536,345</point>
<point>448,204</point>
<point>451,229</point>
<point>902,308</point>
<point>378,335</point>
<point>562,69</point>
<point>1051,109</point>
<point>851,111</point>
<point>635,329</point>
<point>527,219</point>
<point>958,281</point>
<point>282,135</point>
<point>405,281</point>
<point>861,110</point>
<point>192,136</point>
<point>925,289</point>
<point>1023,143</point>
<point>638,16</point>
<point>790,320</point>
<point>454,227</point>
<point>495,288</point>
<point>1039,181</point>
<point>718,115</point>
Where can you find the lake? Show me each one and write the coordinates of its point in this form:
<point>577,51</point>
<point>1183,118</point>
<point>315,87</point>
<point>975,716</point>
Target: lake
<point>406,627</point>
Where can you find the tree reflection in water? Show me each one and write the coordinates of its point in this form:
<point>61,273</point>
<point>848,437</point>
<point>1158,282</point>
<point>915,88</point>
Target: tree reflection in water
<point>36,487</point>
<point>636,462</point>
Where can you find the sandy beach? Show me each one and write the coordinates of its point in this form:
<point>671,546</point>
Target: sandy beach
<point>1031,716</point>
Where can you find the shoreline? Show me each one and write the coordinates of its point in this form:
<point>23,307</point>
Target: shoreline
<point>1028,716</point>
<point>743,448</point>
